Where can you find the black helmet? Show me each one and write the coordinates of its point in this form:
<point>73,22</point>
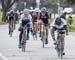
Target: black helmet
<point>58,21</point>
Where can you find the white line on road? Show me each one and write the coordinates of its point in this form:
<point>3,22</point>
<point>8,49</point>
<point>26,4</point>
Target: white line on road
<point>3,57</point>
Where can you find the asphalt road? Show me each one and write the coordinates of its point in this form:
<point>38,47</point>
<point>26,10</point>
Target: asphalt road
<point>9,47</point>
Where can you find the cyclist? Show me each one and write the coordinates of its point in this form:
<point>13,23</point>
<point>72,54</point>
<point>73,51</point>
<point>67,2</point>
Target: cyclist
<point>11,18</point>
<point>59,24</point>
<point>70,22</point>
<point>63,15</point>
<point>25,16</point>
<point>44,18</point>
<point>34,15</point>
<point>20,13</point>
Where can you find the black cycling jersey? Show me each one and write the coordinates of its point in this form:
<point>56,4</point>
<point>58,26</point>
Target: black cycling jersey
<point>44,18</point>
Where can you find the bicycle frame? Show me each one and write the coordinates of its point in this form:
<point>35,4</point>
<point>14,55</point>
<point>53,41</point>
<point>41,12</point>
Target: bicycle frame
<point>11,28</point>
<point>23,41</point>
<point>43,36</point>
<point>35,31</point>
<point>59,45</point>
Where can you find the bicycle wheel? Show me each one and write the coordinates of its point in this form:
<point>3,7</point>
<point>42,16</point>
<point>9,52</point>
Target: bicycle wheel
<point>11,30</point>
<point>58,50</point>
<point>43,39</point>
<point>35,35</point>
<point>23,42</point>
<point>23,47</point>
<point>61,51</point>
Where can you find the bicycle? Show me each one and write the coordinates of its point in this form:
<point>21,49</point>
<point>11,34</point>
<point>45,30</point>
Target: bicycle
<point>11,28</point>
<point>59,47</point>
<point>35,31</point>
<point>43,35</point>
<point>24,36</point>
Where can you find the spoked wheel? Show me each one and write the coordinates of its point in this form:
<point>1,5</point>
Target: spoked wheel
<point>10,34</point>
<point>23,47</point>
<point>35,35</point>
<point>59,51</point>
<point>43,39</point>
<point>60,54</point>
<point>11,31</point>
<point>43,43</point>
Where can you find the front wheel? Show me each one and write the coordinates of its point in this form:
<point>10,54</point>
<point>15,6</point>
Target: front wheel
<point>23,47</point>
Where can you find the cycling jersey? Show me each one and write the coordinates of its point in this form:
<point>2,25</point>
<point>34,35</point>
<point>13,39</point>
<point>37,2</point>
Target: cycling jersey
<point>61,27</point>
<point>44,18</point>
<point>23,18</point>
<point>11,16</point>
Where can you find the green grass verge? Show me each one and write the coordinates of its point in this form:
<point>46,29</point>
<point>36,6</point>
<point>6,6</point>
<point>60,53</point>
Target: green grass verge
<point>0,17</point>
<point>73,27</point>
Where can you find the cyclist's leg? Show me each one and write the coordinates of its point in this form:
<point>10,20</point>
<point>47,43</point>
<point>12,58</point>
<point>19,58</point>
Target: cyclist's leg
<point>10,21</point>
<point>9,26</point>
<point>35,27</point>
<point>14,23</point>
<point>46,27</point>
<point>62,40</point>
<point>20,38</point>
<point>28,33</point>
<point>40,26</point>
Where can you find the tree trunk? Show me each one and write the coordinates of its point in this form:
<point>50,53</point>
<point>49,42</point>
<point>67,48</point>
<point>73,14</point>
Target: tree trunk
<point>4,16</point>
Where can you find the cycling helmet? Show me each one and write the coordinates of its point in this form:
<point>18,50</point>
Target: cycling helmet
<point>12,11</point>
<point>43,9</point>
<point>21,12</point>
<point>37,10</point>
<point>58,21</point>
<point>26,11</point>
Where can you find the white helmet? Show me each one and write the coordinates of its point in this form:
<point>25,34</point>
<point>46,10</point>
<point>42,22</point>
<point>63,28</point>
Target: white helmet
<point>26,11</point>
<point>12,11</point>
<point>43,9</point>
<point>37,10</point>
<point>21,11</point>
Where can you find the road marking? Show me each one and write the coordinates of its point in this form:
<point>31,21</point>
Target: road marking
<point>3,57</point>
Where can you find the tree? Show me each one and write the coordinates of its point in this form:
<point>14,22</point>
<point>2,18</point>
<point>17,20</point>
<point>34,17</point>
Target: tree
<point>6,4</point>
<point>70,2</point>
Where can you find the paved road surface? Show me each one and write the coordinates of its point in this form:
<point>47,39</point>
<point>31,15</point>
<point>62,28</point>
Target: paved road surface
<point>9,47</point>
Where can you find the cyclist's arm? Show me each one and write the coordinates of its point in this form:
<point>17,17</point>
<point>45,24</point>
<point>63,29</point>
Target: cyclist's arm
<point>65,26</point>
<point>49,18</point>
<point>53,33</point>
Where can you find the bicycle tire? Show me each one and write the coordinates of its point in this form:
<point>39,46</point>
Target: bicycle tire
<point>23,42</point>
<point>59,50</point>
<point>23,47</point>
<point>11,30</point>
<point>43,39</point>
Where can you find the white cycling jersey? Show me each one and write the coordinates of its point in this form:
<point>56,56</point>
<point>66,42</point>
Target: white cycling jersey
<point>27,17</point>
<point>62,24</point>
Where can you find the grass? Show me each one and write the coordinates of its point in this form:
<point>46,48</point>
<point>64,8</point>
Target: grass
<point>0,17</point>
<point>73,27</point>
